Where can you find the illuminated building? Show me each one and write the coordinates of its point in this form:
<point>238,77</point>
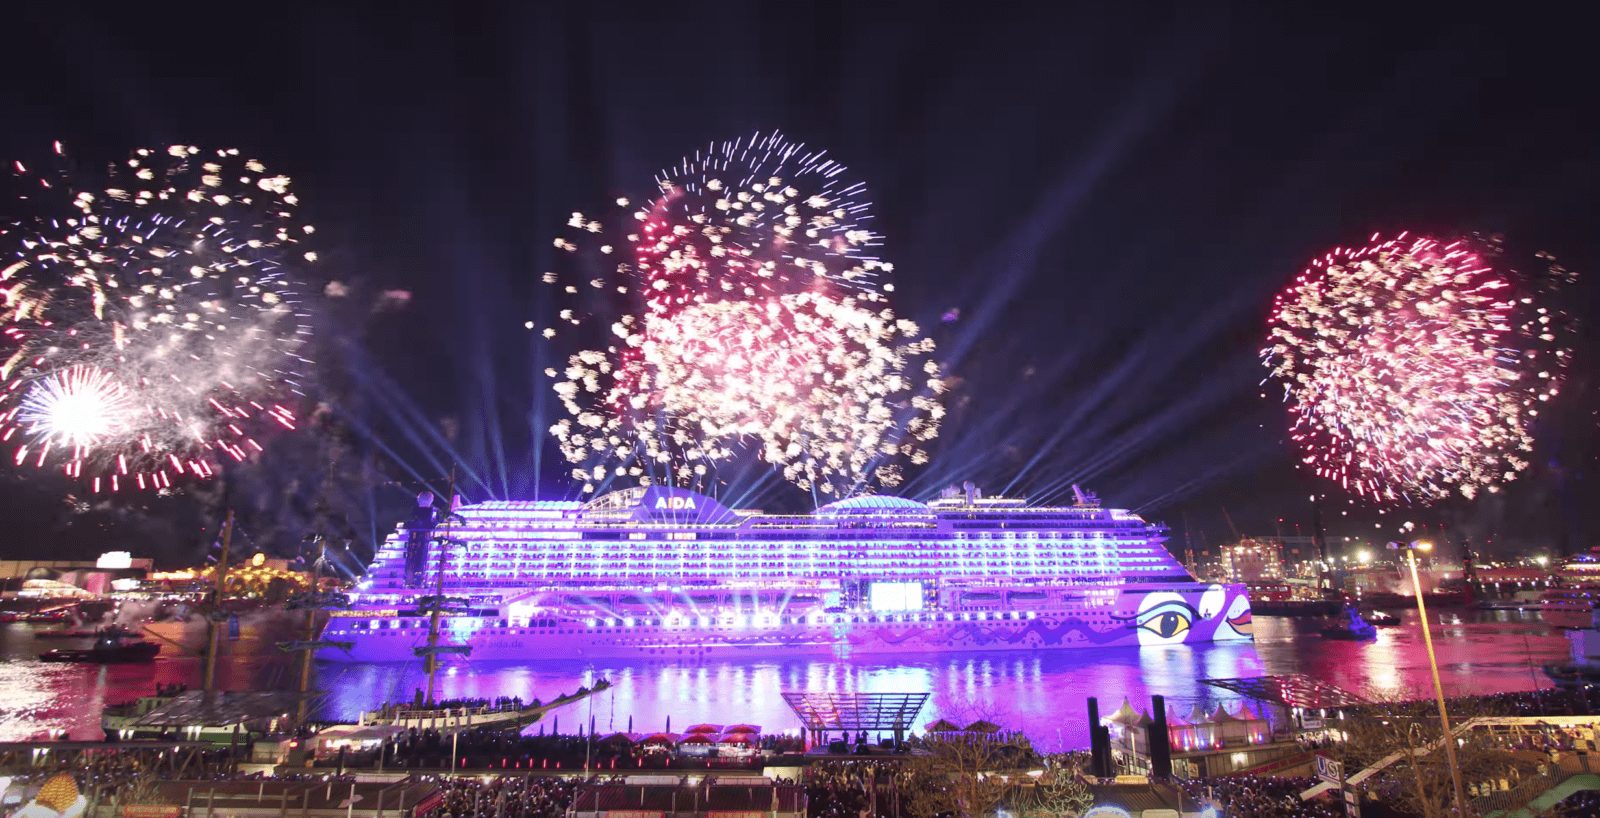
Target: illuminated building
<point>1252,560</point>
<point>669,572</point>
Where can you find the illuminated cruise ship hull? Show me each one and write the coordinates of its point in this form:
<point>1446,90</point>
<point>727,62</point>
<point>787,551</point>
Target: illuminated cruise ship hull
<point>1119,625</point>
<point>669,574</point>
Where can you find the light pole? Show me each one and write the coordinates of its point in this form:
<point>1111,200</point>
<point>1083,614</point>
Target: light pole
<point>1433,667</point>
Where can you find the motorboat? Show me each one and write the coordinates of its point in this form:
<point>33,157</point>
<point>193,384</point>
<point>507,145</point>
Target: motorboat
<point>1353,627</point>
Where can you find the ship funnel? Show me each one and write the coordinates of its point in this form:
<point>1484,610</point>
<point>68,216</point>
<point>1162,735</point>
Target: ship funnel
<point>1077,492</point>
<point>970,491</point>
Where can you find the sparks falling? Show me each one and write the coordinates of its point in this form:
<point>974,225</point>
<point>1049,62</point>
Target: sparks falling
<point>1413,369</point>
<point>743,307</point>
<point>148,323</point>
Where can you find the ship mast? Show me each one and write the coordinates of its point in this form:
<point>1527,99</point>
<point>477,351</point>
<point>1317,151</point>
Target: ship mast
<point>312,610</point>
<point>436,605</point>
<point>214,616</point>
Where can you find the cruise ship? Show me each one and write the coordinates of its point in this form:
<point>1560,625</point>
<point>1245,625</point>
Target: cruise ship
<point>671,573</point>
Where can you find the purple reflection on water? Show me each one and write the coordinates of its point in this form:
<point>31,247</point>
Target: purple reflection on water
<point>1041,693</point>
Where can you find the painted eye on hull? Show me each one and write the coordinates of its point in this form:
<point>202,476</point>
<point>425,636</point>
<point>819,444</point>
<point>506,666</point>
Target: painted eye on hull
<point>1167,624</point>
<point>1164,620</point>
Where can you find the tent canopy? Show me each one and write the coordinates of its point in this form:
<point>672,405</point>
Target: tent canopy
<point>1127,716</point>
<point>704,728</point>
<point>942,726</point>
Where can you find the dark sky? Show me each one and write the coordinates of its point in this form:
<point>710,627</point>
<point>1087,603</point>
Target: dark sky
<point>1109,197</point>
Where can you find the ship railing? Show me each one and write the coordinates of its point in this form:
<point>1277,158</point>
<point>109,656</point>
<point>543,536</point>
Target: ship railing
<point>452,713</point>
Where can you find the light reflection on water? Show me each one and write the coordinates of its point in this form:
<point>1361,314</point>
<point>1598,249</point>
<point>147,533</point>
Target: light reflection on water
<point>1041,693</point>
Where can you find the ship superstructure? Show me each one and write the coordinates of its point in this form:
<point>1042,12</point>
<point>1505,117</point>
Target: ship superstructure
<point>659,571</point>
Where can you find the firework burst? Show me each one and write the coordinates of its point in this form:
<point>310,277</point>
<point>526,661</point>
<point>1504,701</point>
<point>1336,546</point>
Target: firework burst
<point>1413,369</point>
<point>149,329</point>
<point>743,307</point>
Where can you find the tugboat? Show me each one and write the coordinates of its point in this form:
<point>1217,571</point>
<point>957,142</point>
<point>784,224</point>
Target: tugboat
<point>108,649</point>
<point>1352,628</point>
<point>1584,669</point>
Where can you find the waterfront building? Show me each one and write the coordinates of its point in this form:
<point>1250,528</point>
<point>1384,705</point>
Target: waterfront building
<point>1253,560</point>
<point>659,571</point>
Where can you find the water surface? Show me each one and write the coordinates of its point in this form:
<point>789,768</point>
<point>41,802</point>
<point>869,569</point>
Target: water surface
<point>1041,693</point>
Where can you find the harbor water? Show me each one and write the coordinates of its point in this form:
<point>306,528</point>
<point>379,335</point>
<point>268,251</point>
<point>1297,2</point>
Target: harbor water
<point>1039,692</point>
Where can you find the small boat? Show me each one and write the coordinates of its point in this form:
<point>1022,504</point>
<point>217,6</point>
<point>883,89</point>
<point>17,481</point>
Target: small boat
<point>1584,669</point>
<point>1573,675</point>
<point>106,650</point>
<point>1353,628</point>
<point>1381,619</point>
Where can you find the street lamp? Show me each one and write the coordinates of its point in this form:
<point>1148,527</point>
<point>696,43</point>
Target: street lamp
<point>1433,667</point>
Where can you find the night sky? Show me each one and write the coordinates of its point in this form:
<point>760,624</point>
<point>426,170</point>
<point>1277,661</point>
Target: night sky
<point>1109,200</point>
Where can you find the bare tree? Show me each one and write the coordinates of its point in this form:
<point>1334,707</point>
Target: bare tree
<point>1058,791</point>
<point>1408,733</point>
<point>965,774</point>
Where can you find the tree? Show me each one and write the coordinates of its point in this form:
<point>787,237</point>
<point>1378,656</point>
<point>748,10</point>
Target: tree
<point>1408,735</point>
<point>964,774</point>
<point>1059,791</point>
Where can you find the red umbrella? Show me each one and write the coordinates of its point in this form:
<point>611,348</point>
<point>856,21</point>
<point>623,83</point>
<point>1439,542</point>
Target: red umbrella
<point>698,738</point>
<point>743,728</point>
<point>704,728</point>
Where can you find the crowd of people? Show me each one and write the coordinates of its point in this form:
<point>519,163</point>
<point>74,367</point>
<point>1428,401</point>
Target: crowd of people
<point>840,789</point>
<point>490,749</point>
<point>505,797</point>
<point>1263,796</point>
<point>1558,702</point>
<point>1581,804</point>
<point>104,774</point>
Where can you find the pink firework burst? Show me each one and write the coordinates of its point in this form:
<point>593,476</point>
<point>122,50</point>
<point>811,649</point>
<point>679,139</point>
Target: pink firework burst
<point>1412,368</point>
<point>746,309</point>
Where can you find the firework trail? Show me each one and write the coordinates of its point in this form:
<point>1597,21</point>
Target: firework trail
<point>1412,368</point>
<point>148,328</point>
<point>742,307</point>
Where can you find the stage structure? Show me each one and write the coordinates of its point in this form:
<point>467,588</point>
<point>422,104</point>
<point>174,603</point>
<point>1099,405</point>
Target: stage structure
<point>851,713</point>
